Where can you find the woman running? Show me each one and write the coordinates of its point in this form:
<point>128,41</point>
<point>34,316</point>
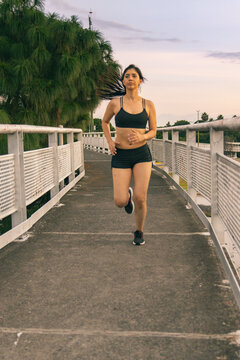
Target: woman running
<point>130,152</point>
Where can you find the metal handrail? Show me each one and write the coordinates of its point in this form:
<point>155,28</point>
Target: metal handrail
<point>224,124</point>
<point>12,128</point>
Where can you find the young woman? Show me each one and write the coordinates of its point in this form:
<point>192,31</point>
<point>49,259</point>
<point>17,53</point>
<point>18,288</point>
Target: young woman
<point>130,152</point>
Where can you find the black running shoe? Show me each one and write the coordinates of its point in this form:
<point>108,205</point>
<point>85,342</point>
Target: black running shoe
<point>129,208</point>
<point>138,238</point>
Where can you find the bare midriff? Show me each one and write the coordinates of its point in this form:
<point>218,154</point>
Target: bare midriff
<point>122,138</point>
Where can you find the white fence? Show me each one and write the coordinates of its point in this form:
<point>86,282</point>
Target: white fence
<point>27,175</point>
<point>233,148</point>
<point>96,141</point>
<point>209,175</point>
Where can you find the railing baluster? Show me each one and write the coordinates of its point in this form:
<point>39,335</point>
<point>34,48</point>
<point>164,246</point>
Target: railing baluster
<point>70,141</point>
<point>80,138</point>
<point>165,137</point>
<point>216,146</point>
<point>52,142</point>
<point>16,147</point>
<point>60,142</point>
<point>191,141</point>
<point>175,138</point>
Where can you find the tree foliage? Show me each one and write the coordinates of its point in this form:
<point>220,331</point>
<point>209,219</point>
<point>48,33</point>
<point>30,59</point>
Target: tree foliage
<point>98,125</point>
<point>204,118</point>
<point>50,67</point>
<point>181,122</point>
<point>182,134</point>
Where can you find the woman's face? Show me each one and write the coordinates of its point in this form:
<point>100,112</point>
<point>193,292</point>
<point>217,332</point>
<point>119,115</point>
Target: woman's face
<point>131,79</point>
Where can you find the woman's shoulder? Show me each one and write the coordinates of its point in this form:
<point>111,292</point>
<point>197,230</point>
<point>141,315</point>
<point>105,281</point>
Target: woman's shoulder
<point>149,103</point>
<point>114,103</point>
<point>115,100</point>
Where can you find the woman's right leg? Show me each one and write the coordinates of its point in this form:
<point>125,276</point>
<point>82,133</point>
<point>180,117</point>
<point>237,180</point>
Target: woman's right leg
<point>121,182</point>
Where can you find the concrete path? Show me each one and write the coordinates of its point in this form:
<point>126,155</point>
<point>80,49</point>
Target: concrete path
<point>78,289</point>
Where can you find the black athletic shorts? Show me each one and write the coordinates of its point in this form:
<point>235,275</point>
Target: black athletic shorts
<point>127,158</point>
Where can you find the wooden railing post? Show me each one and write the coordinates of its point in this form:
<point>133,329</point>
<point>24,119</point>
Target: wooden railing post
<point>191,141</point>
<point>165,137</point>
<point>16,147</point>
<point>175,138</point>
<point>70,141</point>
<point>53,142</point>
<point>80,138</point>
<point>216,146</point>
<point>60,142</point>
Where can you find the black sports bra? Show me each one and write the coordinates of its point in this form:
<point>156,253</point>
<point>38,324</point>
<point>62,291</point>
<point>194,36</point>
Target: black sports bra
<point>123,119</point>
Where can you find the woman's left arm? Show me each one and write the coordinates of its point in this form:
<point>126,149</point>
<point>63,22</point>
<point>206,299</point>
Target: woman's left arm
<point>152,122</point>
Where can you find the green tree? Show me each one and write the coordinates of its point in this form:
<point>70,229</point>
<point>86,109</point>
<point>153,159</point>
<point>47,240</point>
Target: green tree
<point>182,134</point>
<point>220,117</point>
<point>98,124</point>
<point>50,67</point>
<point>204,117</point>
<point>181,122</point>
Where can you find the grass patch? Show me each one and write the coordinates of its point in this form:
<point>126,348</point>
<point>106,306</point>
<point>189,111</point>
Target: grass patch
<point>182,182</point>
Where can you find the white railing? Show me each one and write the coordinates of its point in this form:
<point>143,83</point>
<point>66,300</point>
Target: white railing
<point>233,148</point>
<point>209,175</point>
<point>25,176</point>
<point>96,141</point>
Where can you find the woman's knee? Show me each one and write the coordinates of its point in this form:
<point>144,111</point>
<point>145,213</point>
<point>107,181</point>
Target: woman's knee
<point>120,201</point>
<point>140,199</point>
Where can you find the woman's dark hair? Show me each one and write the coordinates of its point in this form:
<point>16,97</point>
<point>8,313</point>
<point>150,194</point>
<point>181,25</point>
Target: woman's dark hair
<point>114,87</point>
<point>132,66</point>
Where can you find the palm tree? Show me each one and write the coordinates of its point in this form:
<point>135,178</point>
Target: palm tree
<point>50,67</point>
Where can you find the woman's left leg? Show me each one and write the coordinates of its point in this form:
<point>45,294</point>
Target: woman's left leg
<point>141,175</point>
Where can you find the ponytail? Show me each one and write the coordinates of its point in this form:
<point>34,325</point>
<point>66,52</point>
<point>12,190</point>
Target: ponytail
<point>113,87</point>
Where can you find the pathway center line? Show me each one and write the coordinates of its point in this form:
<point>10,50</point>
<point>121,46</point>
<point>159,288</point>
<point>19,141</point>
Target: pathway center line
<point>138,334</point>
<point>121,233</point>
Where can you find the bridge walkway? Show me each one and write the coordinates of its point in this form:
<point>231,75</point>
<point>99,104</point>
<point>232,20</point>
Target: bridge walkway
<point>78,288</point>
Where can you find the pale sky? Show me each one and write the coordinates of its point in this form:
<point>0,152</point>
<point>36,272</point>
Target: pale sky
<point>188,50</point>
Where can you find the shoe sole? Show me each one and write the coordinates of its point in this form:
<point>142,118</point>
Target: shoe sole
<point>131,191</point>
<point>131,194</point>
<point>133,206</point>
<point>137,244</point>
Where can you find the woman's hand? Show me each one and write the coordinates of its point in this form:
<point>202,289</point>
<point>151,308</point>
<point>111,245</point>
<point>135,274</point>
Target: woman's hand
<point>112,147</point>
<point>135,137</point>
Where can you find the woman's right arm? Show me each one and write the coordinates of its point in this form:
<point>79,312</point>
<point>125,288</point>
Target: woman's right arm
<point>109,113</point>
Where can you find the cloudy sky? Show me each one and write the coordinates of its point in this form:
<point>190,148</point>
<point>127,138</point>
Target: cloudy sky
<point>189,50</point>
